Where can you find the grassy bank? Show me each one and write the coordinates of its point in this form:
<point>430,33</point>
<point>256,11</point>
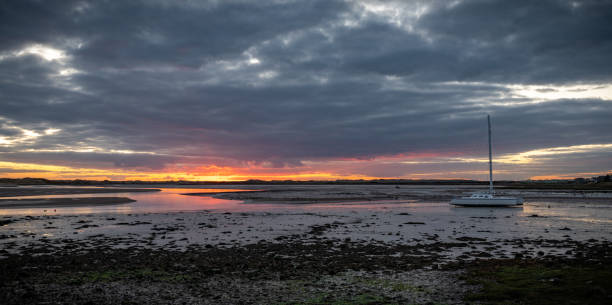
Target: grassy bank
<point>540,283</point>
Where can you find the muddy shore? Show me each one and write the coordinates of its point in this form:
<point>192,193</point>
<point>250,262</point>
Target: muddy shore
<point>331,193</point>
<point>350,253</point>
<point>62,202</point>
<point>287,272</point>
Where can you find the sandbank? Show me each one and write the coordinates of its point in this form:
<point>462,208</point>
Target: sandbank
<point>61,202</point>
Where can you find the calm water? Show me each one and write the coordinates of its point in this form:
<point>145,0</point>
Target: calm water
<point>167,200</point>
<point>172,200</point>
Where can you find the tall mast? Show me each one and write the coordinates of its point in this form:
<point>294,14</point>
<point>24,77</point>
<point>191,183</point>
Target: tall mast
<point>490,158</point>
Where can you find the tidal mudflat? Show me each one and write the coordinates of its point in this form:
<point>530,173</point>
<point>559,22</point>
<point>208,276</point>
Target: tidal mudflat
<point>309,245</point>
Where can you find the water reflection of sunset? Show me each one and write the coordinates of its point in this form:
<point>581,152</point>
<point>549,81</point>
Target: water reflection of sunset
<point>167,200</point>
<point>573,211</point>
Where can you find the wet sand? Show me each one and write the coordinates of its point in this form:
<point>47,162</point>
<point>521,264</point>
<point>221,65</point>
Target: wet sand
<point>368,252</point>
<point>62,202</point>
<point>341,193</point>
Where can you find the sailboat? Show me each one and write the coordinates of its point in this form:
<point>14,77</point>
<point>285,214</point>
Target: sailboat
<point>487,199</point>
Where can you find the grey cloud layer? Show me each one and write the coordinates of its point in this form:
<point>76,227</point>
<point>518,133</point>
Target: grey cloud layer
<point>182,81</point>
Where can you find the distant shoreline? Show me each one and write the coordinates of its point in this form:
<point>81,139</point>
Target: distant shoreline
<point>7,183</point>
<point>30,191</point>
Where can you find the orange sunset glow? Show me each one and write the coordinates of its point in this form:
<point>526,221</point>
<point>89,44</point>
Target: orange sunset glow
<point>305,152</point>
<point>366,90</point>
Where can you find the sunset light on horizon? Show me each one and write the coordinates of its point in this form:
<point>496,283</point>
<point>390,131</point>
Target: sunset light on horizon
<point>305,152</point>
<point>219,91</point>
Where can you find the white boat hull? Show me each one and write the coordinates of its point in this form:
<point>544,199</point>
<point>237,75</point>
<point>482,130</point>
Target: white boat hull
<point>487,202</point>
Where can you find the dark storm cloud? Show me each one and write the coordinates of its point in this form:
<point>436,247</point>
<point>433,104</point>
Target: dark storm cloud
<point>528,41</point>
<point>89,159</point>
<point>278,82</point>
<point>133,33</point>
<point>491,41</point>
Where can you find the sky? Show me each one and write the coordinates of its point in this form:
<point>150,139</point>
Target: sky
<point>322,89</point>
